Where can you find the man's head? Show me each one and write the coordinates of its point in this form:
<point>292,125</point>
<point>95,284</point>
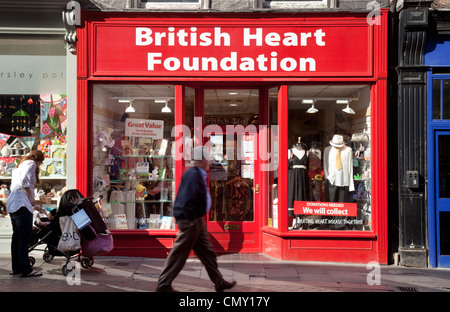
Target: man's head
<point>202,157</point>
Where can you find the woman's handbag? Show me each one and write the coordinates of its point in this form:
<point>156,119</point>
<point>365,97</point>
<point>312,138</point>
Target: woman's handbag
<point>70,238</point>
<point>81,219</point>
<point>102,243</point>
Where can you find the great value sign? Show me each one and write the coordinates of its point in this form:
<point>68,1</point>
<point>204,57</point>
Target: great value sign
<point>278,50</point>
<point>144,128</point>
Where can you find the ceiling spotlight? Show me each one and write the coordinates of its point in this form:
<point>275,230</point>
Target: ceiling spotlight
<point>312,110</point>
<point>348,110</point>
<point>130,109</point>
<point>166,109</point>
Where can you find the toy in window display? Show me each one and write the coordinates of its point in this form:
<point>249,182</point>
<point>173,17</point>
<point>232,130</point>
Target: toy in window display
<point>104,138</point>
<point>3,167</point>
<point>298,181</point>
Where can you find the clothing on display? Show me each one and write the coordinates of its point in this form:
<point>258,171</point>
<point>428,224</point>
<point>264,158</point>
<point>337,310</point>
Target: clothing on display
<point>298,181</point>
<point>338,163</point>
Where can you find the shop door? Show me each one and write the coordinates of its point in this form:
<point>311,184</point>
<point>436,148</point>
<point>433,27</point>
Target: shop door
<point>442,195</point>
<point>231,130</point>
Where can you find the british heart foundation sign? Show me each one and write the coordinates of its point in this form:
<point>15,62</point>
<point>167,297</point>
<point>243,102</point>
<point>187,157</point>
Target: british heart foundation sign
<point>277,49</point>
<point>325,209</point>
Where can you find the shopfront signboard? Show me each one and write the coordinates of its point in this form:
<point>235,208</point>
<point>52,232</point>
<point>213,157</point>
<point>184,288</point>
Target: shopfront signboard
<point>273,50</point>
<point>32,74</point>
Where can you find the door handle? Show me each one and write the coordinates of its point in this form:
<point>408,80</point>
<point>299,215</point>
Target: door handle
<point>256,189</point>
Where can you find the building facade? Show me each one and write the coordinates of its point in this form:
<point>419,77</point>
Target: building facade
<point>278,97</point>
<point>422,67</point>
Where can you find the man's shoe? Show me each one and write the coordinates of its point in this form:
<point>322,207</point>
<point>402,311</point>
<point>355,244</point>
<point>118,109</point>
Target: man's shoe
<point>225,285</point>
<point>165,289</point>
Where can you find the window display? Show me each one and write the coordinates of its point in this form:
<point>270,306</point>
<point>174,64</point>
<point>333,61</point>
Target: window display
<point>329,158</point>
<point>32,122</point>
<point>132,154</point>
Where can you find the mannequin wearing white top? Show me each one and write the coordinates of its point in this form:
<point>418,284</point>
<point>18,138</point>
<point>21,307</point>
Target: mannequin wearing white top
<point>338,182</point>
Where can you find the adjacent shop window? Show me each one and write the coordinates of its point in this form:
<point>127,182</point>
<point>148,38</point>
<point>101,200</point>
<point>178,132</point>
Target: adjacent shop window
<point>329,171</point>
<point>133,163</point>
<point>33,113</point>
<point>441,99</point>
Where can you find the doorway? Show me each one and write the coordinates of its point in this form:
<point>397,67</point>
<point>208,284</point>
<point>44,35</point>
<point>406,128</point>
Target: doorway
<point>442,197</point>
<point>230,128</point>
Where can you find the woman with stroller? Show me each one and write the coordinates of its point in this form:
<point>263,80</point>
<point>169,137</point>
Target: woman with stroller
<point>20,207</point>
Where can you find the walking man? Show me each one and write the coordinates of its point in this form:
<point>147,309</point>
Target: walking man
<point>193,201</point>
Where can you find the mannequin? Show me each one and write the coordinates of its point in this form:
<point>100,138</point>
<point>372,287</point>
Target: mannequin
<point>314,171</point>
<point>298,182</point>
<point>339,181</point>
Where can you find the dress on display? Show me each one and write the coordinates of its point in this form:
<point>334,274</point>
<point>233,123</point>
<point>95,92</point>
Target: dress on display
<point>298,188</point>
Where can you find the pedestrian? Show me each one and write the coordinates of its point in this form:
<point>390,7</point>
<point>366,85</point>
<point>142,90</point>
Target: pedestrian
<point>20,206</point>
<point>193,201</point>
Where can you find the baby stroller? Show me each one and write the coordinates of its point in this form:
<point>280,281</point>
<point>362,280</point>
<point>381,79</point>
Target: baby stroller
<point>50,234</point>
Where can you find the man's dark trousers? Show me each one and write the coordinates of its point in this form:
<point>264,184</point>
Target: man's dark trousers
<point>193,235</point>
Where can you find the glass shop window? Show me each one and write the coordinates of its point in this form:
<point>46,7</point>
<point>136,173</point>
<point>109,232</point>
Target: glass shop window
<point>132,154</point>
<point>441,99</point>
<point>329,168</point>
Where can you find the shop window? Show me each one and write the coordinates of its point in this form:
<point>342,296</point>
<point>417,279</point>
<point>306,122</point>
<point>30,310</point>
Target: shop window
<point>30,122</point>
<point>329,168</point>
<point>441,99</point>
<point>436,99</point>
<point>132,154</point>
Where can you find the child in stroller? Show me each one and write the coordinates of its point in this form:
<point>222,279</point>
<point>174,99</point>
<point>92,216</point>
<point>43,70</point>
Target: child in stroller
<point>48,231</point>
<point>41,225</point>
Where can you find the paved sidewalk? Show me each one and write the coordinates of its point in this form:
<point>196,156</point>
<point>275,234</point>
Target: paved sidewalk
<point>253,272</point>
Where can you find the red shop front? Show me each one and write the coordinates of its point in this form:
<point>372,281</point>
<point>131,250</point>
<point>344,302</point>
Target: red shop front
<point>293,108</point>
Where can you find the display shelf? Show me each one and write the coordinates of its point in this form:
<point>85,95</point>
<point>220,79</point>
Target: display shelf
<point>141,185</point>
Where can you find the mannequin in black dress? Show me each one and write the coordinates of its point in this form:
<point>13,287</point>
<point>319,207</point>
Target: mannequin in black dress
<point>298,182</point>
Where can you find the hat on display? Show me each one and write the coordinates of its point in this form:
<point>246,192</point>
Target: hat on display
<point>337,141</point>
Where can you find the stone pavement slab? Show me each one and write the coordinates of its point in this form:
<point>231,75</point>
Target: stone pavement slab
<point>253,272</point>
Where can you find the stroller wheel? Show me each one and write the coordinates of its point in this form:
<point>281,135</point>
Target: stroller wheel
<point>87,262</point>
<point>66,270</point>
<point>47,256</point>
<point>31,260</point>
